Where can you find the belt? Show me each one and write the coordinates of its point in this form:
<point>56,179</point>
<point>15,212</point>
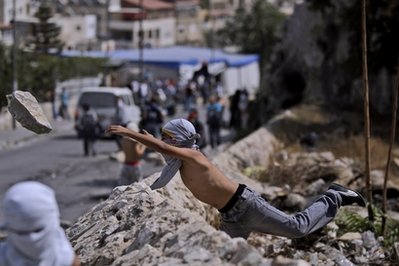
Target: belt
<point>230,204</point>
<point>133,163</point>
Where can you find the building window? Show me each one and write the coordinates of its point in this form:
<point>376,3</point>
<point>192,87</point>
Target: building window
<point>181,29</point>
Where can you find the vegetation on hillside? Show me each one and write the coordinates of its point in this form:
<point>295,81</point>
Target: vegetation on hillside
<point>39,73</point>
<point>254,31</point>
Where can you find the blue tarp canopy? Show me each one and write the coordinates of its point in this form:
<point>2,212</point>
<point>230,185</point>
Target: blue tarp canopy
<point>171,57</point>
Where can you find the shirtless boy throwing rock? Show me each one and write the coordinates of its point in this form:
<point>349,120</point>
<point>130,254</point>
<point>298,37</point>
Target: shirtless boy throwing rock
<point>242,209</point>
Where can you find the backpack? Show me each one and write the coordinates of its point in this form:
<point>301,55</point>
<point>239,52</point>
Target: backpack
<point>88,124</point>
<point>214,117</point>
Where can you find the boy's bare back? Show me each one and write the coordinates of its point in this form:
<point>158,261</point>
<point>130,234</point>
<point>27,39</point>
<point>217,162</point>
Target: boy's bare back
<point>133,150</point>
<point>205,181</point>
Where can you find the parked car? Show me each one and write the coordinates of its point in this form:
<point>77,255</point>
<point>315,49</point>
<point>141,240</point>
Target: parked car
<point>103,100</point>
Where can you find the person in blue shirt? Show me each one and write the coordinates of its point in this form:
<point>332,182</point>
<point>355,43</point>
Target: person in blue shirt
<point>214,119</point>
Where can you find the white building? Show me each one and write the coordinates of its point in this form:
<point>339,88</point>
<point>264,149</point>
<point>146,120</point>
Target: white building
<point>157,19</point>
<point>24,12</point>
<point>157,32</point>
<point>77,32</point>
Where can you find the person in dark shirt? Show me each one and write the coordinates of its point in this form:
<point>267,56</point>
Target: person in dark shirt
<point>199,127</point>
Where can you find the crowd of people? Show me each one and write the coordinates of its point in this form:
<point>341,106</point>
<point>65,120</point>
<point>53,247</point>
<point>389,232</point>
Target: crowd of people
<point>159,100</point>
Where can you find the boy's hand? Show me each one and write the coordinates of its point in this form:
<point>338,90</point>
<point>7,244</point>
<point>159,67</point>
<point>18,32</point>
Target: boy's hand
<point>117,130</point>
<point>145,132</point>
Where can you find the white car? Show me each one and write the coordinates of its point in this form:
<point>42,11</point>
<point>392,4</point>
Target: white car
<point>103,100</point>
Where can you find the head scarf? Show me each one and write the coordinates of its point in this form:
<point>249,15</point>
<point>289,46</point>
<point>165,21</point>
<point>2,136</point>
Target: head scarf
<point>33,227</point>
<point>182,134</point>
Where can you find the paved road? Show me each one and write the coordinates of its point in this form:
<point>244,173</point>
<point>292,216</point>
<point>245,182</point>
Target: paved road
<point>57,160</point>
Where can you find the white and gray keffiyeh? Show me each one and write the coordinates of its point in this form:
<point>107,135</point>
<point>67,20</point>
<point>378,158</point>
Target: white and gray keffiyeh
<point>34,235</point>
<point>183,135</point>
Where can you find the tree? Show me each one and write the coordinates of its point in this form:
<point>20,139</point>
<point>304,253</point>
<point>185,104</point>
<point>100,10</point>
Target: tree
<point>5,74</point>
<point>254,31</point>
<point>38,73</point>
<point>205,4</point>
<point>46,33</point>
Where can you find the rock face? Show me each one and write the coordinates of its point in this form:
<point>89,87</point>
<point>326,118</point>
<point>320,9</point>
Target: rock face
<point>137,226</point>
<point>27,111</point>
<point>314,62</point>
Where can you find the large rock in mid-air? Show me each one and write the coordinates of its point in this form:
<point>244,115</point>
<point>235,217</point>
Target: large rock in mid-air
<point>24,107</point>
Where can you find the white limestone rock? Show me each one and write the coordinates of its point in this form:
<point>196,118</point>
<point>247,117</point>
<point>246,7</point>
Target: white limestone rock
<point>137,226</point>
<point>24,107</point>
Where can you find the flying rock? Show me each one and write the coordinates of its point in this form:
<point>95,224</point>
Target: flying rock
<point>24,107</point>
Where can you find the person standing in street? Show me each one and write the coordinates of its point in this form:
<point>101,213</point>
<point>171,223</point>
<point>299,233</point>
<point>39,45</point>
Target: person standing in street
<point>199,127</point>
<point>88,126</point>
<point>64,99</point>
<point>152,117</point>
<point>214,113</point>
<point>131,170</point>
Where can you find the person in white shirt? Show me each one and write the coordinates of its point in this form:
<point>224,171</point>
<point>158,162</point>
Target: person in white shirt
<point>32,223</point>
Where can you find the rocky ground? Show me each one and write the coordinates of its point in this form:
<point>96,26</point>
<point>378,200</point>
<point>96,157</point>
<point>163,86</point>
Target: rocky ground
<point>288,163</point>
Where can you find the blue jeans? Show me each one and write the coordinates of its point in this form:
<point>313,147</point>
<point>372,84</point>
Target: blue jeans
<point>214,136</point>
<point>252,213</point>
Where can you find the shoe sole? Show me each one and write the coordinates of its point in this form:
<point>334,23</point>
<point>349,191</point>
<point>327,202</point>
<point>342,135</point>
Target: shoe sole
<point>338,187</point>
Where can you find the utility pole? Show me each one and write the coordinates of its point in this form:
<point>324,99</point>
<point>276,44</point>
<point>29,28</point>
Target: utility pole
<point>14,54</point>
<point>107,48</point>
<point>141,42</point>
<point>213,20</point>
<point>107,20</point>
<point>212,13</point>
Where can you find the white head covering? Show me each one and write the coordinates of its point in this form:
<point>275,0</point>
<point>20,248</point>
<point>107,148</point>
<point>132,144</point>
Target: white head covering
<point>183,135</point>
<point>33,226</point>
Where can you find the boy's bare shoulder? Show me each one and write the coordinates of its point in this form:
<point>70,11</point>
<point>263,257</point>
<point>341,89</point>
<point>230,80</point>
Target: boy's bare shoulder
<point>196,156</point>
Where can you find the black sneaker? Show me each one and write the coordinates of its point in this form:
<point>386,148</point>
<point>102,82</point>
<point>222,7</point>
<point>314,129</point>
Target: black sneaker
<point>348,196</point>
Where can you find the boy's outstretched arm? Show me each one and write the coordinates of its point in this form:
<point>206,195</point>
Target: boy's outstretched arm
<point>151,142</point>
<point>144,138</point>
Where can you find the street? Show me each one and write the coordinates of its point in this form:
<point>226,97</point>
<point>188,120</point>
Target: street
<point>57,160</point>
